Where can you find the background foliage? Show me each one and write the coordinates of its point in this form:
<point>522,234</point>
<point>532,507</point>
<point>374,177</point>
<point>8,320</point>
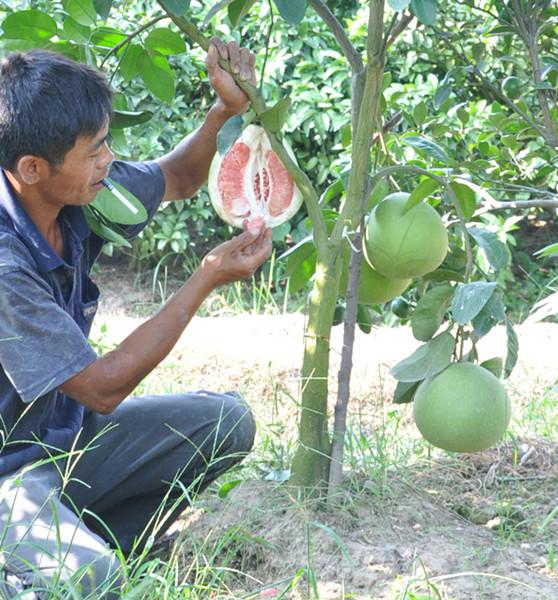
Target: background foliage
<point>463,76</point>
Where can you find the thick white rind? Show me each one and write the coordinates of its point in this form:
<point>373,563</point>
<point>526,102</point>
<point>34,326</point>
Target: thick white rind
<point>250,137</point>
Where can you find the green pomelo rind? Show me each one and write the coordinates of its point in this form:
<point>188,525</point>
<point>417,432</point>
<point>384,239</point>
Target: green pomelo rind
<point>376,289</point>
<point>401,246</point>
<point>465,408</point>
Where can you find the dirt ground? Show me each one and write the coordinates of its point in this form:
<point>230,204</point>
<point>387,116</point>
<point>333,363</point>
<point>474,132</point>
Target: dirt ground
<point>483,526</point>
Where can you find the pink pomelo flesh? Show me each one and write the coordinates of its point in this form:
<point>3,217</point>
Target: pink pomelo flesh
<point>250,183</point>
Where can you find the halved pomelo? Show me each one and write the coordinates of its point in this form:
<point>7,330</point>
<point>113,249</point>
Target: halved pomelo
<point>250,184</point>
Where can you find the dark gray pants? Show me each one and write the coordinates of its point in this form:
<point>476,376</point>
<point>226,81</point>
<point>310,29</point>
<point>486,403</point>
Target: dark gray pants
<point>132,474</point>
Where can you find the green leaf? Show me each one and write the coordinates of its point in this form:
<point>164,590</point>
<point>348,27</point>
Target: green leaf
<point>29,25</point>
<point>83,11</point>
<point>333,191</point>
<point>426,146</point>
<point>513,349</point>
<point>165,41</point>
<point>117,211</point>
<point>420,112</point>
<point>549,250</point>
<point>425,10</point>
<point>495,250</point>
<point>430,312</point>
<point>126,118</point>
<point>470,298</point>
<point>229,133</point>
<point>107,37</point>
<point>176,7</point>
<point>291,10</point>
<point>422,191</point>
<point>103,7</point>
<point>274,118</point>
<point>157,75</point>
<point>405,391</point>
<point>465,197</point>
<point>102,230</point>
<point>75,31</point>
<point>428,360</point>
<point>443,275</point>
<point>129,65</point>
<point>399,5</point>
<point>442,94</point>
<point>226,488</point>
<point>483,193</point>
<point>494,365</point>
<point>301,264</point>
<point>239,9</point>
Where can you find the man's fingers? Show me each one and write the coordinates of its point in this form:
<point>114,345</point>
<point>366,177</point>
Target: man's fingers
<point>245,239</point>
<point>221,48</point>
<point>245,64</point>
<point>234,57</point>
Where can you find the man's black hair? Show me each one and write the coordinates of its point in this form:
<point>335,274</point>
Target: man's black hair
<point>47,101</point>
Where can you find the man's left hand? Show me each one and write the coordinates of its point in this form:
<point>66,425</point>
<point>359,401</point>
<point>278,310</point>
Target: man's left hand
<point>242,63</point>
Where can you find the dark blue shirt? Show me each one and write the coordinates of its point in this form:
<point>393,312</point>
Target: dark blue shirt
<point>47,305</point>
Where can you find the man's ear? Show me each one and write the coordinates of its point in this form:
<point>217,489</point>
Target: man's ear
<point>31,169</point>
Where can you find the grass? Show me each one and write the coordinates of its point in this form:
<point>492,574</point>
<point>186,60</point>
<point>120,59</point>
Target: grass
<point>250,536</point>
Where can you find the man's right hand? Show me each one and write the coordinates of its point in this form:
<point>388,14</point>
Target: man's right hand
<point>237,258</point>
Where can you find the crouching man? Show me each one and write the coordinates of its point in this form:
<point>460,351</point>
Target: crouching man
<point>85,467</point>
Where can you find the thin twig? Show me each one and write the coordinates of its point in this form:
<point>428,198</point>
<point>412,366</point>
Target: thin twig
<point>130,37</point>
<point>399,27</point>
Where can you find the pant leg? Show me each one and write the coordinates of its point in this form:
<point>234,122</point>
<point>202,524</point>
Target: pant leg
<point>149,457</point>
<point>45,545</point>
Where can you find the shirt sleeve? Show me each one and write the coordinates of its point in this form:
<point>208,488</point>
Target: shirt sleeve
<point>41,346</point>
<point>146,181</point>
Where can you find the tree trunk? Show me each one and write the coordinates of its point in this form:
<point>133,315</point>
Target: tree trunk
<point>310,466</point>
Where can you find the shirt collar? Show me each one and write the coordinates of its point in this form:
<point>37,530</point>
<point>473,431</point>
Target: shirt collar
<point>44,255</point>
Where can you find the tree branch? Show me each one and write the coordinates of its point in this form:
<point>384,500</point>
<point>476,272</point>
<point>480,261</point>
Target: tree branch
<point>353,57</point>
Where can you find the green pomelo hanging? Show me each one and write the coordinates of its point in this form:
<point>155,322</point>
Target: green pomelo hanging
<point>465,408</point>
<point>374,288</point>
<point>400,245</point>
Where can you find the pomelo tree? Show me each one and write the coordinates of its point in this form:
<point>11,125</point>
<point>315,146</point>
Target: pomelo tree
<point>407,151</point>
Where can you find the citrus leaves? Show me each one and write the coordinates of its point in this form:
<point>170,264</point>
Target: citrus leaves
<point>81,33</point>
<point>292,11</point>
<point>274,118</point>
<point>176,7</point>
<point>428,360</point>
<point>112,209</point>
<point>424,10</point>
<point>29,25</point>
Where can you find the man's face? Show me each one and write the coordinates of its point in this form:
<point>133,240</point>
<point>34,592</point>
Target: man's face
<point>78,179</point>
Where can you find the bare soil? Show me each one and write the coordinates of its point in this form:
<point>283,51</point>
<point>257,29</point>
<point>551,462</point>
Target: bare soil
<point>462,527</point>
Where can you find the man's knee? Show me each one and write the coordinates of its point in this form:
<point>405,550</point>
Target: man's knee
<point>237,425</point>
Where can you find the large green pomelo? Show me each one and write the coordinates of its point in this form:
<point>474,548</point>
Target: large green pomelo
<point>465,408</point>
<point>376,289</point>
<point>406,245</point>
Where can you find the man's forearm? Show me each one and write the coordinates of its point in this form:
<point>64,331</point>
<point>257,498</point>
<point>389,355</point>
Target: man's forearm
<point>112,377</point>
